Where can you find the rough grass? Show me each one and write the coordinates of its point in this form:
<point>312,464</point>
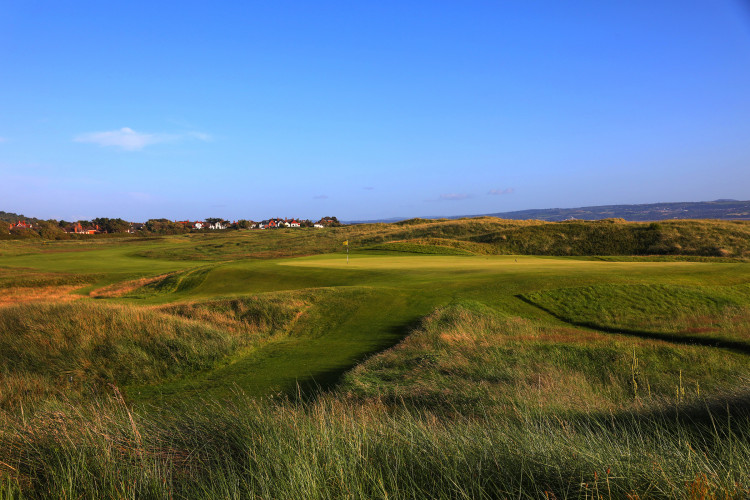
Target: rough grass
<point>11,278</point>
<point>17,295</point>
<point>480,235</point>
<point>712,313</point>
<point>76,348</point>
<point>332,449</point>
<point>468,359</point>
<point>474,403</point>
<point>430,246</point>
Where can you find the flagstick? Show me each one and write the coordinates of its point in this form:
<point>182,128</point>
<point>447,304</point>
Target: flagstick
<point>347,253</point>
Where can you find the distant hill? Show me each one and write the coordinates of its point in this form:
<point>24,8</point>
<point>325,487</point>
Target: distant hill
<point>718,209</point>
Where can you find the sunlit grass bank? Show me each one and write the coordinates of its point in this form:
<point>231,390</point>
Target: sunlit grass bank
<point>470,359</point>
<point>429,365</point>
<point>76,350</point>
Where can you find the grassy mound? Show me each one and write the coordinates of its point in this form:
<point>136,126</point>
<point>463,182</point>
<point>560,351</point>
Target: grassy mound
<point>75,348</point>
<point>481,235</point>
<point>432,246</point>
<point>469,359</point>
<point>256,315</point>
<point>720,314</point>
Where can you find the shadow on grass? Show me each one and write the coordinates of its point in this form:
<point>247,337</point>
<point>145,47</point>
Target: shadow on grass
<point>310,388</point>
<point>676,338</point>
<point>718,416</point>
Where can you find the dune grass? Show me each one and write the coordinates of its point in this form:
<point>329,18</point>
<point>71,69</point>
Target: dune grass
<point>429,366</point>
<point>468,358</point>
<point>710,313</point>
<point>332,449</point>
<point>77,349</point>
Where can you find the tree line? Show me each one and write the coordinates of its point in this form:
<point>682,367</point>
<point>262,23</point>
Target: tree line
<point>61,229</point>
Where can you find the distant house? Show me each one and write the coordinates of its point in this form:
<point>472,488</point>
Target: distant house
<point>318,225</point>
<point>329,221</point>
<point>218,225</point>
<point>136,226</point>
<point>77,228</point>
<point>21,225</point>
<point>199,225</point>
<point>276,223</point>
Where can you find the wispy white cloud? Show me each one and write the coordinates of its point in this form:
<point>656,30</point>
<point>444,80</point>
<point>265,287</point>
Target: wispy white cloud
<point>125,138</point>
<point>498,192</point>
<point>200,136</point>
<point>455,196</point>
<point>128,139</point>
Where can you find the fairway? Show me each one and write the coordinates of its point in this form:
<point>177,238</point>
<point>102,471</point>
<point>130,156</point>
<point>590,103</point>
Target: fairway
<point>357,308</point>
<point>191,325</point>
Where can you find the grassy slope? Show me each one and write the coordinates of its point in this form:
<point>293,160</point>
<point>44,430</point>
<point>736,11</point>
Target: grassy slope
<point>482,236</point>
<point>470,359</point>
<point>691,313</point>
<point>474,351</point>
<point>71,350</point>
<point>375,298</point>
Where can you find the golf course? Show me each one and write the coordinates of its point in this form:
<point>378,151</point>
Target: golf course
<point>477,358</point>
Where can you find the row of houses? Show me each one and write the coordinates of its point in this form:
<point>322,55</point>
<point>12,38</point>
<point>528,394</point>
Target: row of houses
<point>204,225</point>
<point>78,228</point>
<point>276,223</point>
<point>265,224</point>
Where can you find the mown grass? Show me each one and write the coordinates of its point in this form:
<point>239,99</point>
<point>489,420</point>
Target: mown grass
<point>338,329</point>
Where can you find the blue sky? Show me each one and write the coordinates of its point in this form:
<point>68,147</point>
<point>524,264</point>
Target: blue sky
<point>369,110</point>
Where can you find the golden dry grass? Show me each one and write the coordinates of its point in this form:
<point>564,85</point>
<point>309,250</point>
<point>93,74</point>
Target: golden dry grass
<point>120,289</point>
<point>19,295</point>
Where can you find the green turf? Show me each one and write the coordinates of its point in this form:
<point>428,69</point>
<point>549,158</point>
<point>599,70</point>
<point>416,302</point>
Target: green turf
<point>454,376</point>
<point>678,312</point>
<point>358,307</point>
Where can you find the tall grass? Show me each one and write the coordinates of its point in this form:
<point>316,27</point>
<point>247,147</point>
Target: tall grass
<point>48,350</point>
<point>466,358</point>
<point>332,449</point>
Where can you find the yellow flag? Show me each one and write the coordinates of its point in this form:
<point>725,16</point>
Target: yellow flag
<point>346,243</point>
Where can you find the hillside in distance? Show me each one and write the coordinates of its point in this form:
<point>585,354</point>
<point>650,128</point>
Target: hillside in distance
<point>718,209</point>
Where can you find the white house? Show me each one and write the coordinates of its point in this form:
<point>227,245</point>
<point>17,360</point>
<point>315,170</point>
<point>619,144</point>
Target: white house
<point>218,225</point>
<point>319,226</point>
